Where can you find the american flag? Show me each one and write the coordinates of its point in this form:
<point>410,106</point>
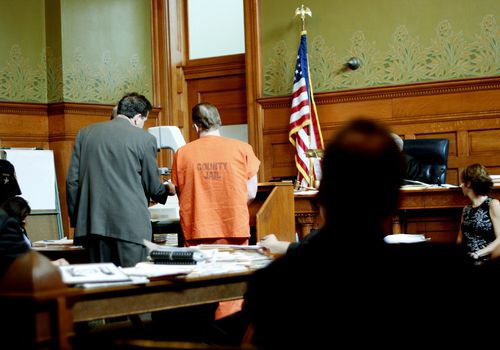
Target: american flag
<point>304,129</point>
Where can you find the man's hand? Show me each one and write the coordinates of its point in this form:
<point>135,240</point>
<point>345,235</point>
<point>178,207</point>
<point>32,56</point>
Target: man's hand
<point>170,188</point>
<point>272,245</point>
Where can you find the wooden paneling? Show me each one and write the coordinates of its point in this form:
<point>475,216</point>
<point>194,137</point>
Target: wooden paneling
<point>215,67</point>
<point>53,127</point>
<point>221,81</point>
<point>467,112</point>
<point>484,141</point>
<point>441,226</point>
<point>23,125</point>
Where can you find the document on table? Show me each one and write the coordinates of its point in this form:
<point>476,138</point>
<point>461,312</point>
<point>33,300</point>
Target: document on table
<point>133,280</point>
<point>418,185</point>
<point>92,273</point>
<point>156,271</point>
<point>53,242</point>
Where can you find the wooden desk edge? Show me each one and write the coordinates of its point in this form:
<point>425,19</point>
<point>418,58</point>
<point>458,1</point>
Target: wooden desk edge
<point>107,302</point>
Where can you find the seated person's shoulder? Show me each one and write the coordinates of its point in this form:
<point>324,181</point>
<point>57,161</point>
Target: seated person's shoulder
<point>9,186</point>
<point>494,203</point>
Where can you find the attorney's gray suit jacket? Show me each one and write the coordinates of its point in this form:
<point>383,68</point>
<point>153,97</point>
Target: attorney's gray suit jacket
<point>112,175</point>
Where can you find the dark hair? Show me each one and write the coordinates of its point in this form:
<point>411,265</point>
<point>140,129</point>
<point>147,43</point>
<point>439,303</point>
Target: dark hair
<point>478,178</point>
<point>206,116</point>
<point>17,207</point>
<point>132,104</point>
<point>362,168</point>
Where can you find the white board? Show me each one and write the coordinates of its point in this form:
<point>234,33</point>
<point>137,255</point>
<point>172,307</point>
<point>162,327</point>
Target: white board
<point>36,175</point>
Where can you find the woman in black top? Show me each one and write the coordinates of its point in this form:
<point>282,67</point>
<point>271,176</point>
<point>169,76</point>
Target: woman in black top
<point>480,226</point>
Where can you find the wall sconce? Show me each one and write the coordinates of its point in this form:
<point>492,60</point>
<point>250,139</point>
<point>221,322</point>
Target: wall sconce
<point>353,63</point>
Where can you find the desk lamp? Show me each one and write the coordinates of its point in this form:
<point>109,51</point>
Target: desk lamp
<point>167,137</point>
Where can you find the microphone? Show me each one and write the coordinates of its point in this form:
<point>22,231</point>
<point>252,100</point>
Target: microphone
<point>353,63</point>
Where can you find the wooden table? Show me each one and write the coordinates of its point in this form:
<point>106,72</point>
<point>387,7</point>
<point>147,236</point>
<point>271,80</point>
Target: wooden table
<point>43,310</point>
<point>99,303</point>
<point>434,212</point>
<point>73,254</point>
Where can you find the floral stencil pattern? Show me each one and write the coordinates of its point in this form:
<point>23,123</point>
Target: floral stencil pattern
<point>50,81</point>
<point>406,60</point>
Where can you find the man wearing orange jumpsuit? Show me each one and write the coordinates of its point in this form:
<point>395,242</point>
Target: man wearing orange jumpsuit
<point>215,178</point>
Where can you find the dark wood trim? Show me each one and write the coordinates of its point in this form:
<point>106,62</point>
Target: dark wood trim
<point>184,28</point>
<point>78,108</point>
<point>160,60</point>
<point>215,67</point>
<point>391,92</point>
<point>176,36</point>
<point>23,108</point>
<point>88,109</point>
<point>253,67</point>
<point>218,60</point>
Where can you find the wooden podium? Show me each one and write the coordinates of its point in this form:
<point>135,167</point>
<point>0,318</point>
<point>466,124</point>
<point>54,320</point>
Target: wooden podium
<point>272,211</point>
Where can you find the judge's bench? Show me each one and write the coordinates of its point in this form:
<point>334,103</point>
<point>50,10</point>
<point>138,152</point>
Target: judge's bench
<point>433,211</point>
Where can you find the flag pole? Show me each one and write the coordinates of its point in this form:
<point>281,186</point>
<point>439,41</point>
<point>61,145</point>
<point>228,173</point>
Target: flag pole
<point>302,12</point>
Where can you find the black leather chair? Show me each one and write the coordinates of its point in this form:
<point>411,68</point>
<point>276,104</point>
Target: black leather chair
<point>432,156</point>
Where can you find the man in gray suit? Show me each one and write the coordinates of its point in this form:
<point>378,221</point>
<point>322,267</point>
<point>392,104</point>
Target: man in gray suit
<point>112,176</point>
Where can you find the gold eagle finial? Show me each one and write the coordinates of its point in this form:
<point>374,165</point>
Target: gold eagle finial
<point>302,12</point>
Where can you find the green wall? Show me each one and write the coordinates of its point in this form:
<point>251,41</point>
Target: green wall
<point>398,42</point>
<point>106,49</point>
<point>74,50</point>
<point>22,51</point>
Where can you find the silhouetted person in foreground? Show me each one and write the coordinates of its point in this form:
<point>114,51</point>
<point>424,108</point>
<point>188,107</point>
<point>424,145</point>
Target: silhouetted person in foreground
<point>346,286</point>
